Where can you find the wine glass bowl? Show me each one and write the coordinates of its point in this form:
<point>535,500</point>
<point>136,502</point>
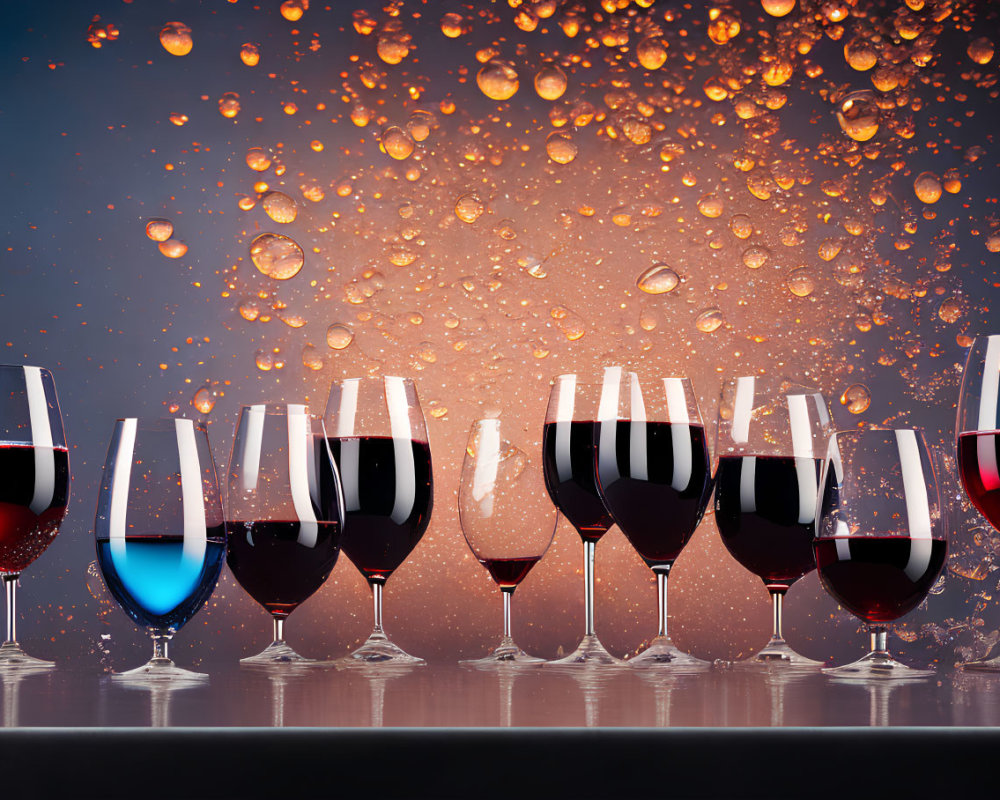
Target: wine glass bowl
<point>160,534</point>
<point>284,514</point>
<point>880,543</point>
<point>654,477</point>
<point>770,442</point>
<point>34,493</point>
<point>378,438</point>
<point>506,517</point>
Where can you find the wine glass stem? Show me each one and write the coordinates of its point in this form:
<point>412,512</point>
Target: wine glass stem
<point>160,645</point>
<point>377,601</point>
<point>279,629</point>
<point>661,592</point>
<point>507,594</point>
<point>880,638</point>
<point>777,600</point>
<point>10,584</point>
<point>588,585</point>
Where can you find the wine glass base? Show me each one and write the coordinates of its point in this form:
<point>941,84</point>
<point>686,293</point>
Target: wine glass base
<point>160,671</point>
<point>277,653</point>
<point>778,655</point>
<point>876,666</point>
<point>506,653</point>
<point>662,653</point>
<point>589,653</point>
<point>378,650</point>
<point>14,659</point>
<point>986,665</point>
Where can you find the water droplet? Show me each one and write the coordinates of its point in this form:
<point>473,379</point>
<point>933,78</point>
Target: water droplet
<point>159,230</point>
<point>393,47</point>
<point>497,80</point>
<point>800,282</point>
<point>709,320</point>
<point>652,52</point>
<point>469,208</point>
<point>858,115</point>
<point>658,279</point>
<point>264,360</point>
<point>710,206</point>
<point>950,310</point>
<point>981,50</point>
<point>280,207</point>
<point>741,226</point>
<point>560,147</point>
<point>176,38</point>
<point>339,336</point>
<point>550,82</point>
<point>857,398</point>
<point>229,105</point>
<point>277,256</point>
<point>292,10</point>
<point>173,248</point>
<point>203,400</point>
<point>860,54</point>
<point>257,159</point>
<point>451,25</point>
<point>756,257</point>
<point>778,8</point>
<point>397,143</point>
<point>311,358</point>
<point>927,187</point>
<point>250,54</point>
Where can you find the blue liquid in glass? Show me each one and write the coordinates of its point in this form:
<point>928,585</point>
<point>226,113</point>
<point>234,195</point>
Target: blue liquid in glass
<point>157,583</point>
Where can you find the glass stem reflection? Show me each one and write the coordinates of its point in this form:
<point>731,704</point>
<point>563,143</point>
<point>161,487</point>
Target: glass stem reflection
<point>880,636</point>
<point>279,629</point>
<point>507,594</point>
<point>777,599</point>
<point>661,590</point>
<point>588,585</point>
<point>10,584</point>
<point>377,600</point>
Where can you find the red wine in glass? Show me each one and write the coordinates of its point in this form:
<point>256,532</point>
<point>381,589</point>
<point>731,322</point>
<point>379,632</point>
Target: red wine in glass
<point>765,510</point>
<point>29,523</point>
<point>568,461</point>
<point>507,573</point>
<point>978,459</point>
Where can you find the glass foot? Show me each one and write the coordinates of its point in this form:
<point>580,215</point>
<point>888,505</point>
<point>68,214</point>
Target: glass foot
<point>507,652</point>
<point>379,650</point>
<point>159,671</point>
<point>277,653</point>
<point>778,655</point>
<point>589,653</point>
<point>986,665</point>
<point>14,659</point>
<point>662,653</point>
<point>876,666</point>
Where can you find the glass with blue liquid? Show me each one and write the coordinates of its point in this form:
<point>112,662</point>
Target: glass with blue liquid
<point>161,537</point>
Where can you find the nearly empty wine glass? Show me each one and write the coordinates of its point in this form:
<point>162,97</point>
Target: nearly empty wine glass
<point>379,440</point>
<point>654,477</point>
<point>770,440</point>
<point>161,538</point>
<point>35,489</point>
<point>506,516</point>
<point>284,513</point>
<point>880,543</point>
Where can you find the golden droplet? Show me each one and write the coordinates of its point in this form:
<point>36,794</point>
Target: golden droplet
<point>927,187</point>
<point>250,54</point>
<point>550,82</point>
<point>172,248</point>
<point>469,208</point>
<point>397,143</point>
<point>257,159</point>
<point>709,320</point>
<point>658,279</point>
<point>229,105</point>
<point>560,147</point>
<point>800,282</point>
<point>339,336</point>
<point>159,230</point>
<point>176,38</point>
<point>857,398</point>
<point>498,80</point>
<point>277,256</point>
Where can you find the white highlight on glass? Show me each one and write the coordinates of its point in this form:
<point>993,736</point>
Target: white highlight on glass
<point>122,479</point>
<point>918,513</point>
<point>348,407</point>
<point>564,416</point>
<point>802,450</point>
<point>487,467</point>
<point>396,398</point>
<point>748,477</point>
<point>680,432</point>
<point>607,419</point>
<point>41,438</point>
<point>742,410</point>
<point>300,452</point>
<point>192,496</point>
<point>251,446</point>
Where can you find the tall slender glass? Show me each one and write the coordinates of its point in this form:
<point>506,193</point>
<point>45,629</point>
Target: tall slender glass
<point>770,442</point>
<point>378,438</point>
<point>161,538</point>
<point>284,514</point>
<point>34,491</point>
<point>978,445</point>
<point>506,516</point>
<point>570,468</point>
<point>880,543</point>
<point>655,478</point>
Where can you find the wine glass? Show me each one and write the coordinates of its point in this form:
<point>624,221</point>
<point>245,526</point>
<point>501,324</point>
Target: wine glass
<point>570,469</point>
<point>978,431</point>
<point>379,441</point>
<point>505,515</point>
<point>161,538</point>
<point>880,544</point>
<point>34,492</point>
<point>770,441</point>
<point>284,513</point>
<point>654,477</point>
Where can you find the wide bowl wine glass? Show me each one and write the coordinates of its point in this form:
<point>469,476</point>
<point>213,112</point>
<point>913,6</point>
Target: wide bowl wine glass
<point>654,477</point>
<point>570,468</point>
<point>880,542</point>
<point>506,516</point>
<point>161,536</point>
<point>284,514</point>
<point>378,438</point>
<point>978,431</point>
<point>770,440</point>
<point>34,491</point>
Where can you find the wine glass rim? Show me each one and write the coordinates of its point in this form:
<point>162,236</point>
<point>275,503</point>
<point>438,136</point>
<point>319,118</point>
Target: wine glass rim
<point>160,423</point>
<point>873,429</point>
<point>382,378</point>
<point>278,409</point>
<point>25,366</point>
<point>806,388</point>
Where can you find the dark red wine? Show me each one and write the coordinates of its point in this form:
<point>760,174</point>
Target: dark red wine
<point>34,491</point>
<point>509,572</point>
<point>978,460</point>
<point>388,498</point>
<point>281,564</point>
<point>765,510</point>
<point>656,484</point>
<point>570,468</point>
<point>879,578</point>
